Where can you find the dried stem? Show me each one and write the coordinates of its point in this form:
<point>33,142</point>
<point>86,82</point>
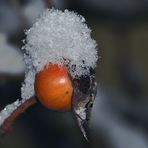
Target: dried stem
<point>7,125</point>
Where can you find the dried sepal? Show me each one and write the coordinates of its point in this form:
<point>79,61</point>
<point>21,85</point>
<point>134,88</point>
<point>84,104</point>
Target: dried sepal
<point>10,113</point>
<point>82,106</point>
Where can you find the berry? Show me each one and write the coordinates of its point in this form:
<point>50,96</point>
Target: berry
<point>53,87</point>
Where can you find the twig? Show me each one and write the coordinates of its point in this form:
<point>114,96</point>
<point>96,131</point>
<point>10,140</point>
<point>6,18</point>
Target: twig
<point>7,125</point>
<point>47,3</point>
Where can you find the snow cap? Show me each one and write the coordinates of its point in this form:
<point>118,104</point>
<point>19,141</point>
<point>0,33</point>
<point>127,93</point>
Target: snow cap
<point>60,38</point>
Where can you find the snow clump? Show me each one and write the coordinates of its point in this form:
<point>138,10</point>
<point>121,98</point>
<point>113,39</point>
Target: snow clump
<point>59,38</point>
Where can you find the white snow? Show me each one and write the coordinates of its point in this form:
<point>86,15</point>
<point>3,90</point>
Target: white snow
<point>7,111</point>
<point>11,60</point>
<point>60,38</point>
<point>28,85</point>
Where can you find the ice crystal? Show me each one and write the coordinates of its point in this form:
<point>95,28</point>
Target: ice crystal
<point>60,38</point>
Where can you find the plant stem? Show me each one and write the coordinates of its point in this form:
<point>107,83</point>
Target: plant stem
<point>7,125</point>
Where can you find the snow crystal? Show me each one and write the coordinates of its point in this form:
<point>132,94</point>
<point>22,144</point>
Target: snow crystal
<point>60,38</point>
<point>8,110</point>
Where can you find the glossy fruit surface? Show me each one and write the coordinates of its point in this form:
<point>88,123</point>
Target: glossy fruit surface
<point>53,87</point>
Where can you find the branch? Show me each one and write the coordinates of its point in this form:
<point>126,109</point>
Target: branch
<point>8,122</point>
<point>47,3</point>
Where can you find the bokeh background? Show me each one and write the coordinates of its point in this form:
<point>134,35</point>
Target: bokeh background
<point>120,113</point>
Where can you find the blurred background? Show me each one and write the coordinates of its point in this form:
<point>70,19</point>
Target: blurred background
<point>120,113</point>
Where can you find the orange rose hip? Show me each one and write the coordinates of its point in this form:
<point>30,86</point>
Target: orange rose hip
<point>53,87</point>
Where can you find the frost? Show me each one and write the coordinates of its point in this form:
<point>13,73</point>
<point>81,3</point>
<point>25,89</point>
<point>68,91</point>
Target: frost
<point>60,38</point>
<point>7,111</point>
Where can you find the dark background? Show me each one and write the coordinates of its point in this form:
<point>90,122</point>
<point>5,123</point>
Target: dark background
<point>120,114</point>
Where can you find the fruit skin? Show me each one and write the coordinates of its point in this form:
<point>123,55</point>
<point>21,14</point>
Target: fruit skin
<point>53,87</point>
